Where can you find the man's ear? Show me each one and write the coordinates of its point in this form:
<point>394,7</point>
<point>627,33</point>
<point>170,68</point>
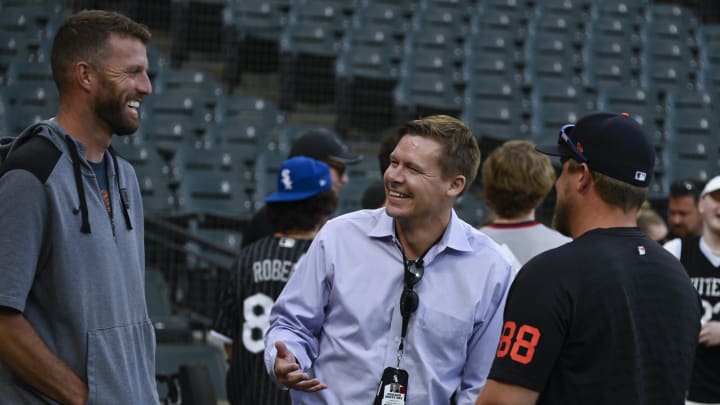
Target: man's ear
<point>84,75</point>
<point>585,181</point>
<point>457,185</point>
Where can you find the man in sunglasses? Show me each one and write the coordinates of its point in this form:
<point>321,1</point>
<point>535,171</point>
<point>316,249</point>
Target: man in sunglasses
<point>318,144</point>
<point>611,317</point>
<point>401,305</point>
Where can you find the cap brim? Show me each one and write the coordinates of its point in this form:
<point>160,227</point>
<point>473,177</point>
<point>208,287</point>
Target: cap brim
<point>554,150</point>
<point>290,196</point>
<point>347,158</point>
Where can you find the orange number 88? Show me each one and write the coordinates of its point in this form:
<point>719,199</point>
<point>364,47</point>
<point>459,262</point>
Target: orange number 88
<point>527,338</point>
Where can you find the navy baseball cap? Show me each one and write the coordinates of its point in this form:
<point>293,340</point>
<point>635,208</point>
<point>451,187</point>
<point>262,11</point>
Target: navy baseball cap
<point>323,145</point>
<point>299,178</point>
<point>612,144</point>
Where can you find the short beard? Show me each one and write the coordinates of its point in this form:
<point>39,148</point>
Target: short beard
<point>560,218</point>
<point>110,112</point>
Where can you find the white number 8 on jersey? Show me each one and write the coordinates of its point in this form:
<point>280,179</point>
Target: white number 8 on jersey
<point>256,311</point>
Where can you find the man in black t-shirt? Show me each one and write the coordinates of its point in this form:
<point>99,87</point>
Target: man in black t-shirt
<point>610,318</point>
<point>303,202</point>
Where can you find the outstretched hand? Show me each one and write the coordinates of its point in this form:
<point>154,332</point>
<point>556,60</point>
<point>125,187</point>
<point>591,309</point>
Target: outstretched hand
<point>288,372</point>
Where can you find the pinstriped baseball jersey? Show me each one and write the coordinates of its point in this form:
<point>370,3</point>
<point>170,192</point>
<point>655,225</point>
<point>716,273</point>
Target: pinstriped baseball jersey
<point>261,271</point>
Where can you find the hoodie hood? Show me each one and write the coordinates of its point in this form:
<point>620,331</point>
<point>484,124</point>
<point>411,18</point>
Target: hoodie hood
<point>56,134</point>
<point>5,145</point>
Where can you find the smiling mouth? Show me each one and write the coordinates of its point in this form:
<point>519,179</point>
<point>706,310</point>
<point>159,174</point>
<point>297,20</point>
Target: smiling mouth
<point>396,194</point>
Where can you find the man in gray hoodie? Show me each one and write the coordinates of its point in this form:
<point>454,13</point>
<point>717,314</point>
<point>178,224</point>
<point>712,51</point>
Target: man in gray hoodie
<point>74,327</point>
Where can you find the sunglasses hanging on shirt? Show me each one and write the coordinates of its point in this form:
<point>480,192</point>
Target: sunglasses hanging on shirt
<point>392,389</point>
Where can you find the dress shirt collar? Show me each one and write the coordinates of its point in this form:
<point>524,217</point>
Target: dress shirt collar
<point>454,236</point>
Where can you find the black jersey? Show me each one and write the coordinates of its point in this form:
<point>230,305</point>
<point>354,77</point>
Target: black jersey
<point>705,381</point>
<point>261,272</point>
<point>610,318</point>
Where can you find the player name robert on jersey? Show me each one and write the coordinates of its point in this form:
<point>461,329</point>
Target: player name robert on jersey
<point>272,270</point>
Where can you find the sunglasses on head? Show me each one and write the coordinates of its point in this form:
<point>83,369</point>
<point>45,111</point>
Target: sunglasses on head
<point>566,139</point>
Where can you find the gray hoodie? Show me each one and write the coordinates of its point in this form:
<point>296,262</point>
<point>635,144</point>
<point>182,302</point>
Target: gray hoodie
<point>75,272</point>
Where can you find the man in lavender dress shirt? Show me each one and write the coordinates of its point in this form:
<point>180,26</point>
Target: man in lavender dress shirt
<point>336,328</point>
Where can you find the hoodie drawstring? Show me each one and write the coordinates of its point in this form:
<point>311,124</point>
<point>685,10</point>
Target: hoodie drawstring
<point>75,157</point>
<point>122,191</point>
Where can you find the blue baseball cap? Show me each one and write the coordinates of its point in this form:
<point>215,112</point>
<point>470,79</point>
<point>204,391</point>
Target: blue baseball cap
<point>300,177</point>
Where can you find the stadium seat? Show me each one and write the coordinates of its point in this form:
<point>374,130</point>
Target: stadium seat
<point>499,23</point>
<point>29,72</point>
<point>551,56</point>
<point>27,103</point>
<point>247,132</point>
<point>608,61</point>
<point>391,17</point>
<point>232,106</point>
<point>195,25</point>
<point>490,56</point>
<point>423,94</point>
<point>169,132</point>
<point>494,108</point>
<point>33,21</point>
<point>690,112</point>
<point>438,38</point>
<point>307,64</point>
<point>555,105</point>
<point>666,60</point>
<point>251,35</point>
<point>429,76</point>
<point>471,210</point>
<point>367,70</point>
<point>157,61</point>
<point>16,48</point>
<point>351,194</point>
<point>171,356</point>
<point>629,11</point>
<point>693,145</point>
<point>214,194</point>
<point>190,160</point>
<point>709,67</point>
<point>193,80</point>
<point>266,171</point>
<point>707,34</point>
<point>453,21</point>
<point>154,175</point>
<point>636,101</point>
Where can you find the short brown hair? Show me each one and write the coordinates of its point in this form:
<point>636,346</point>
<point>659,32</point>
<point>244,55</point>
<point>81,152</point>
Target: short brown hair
<point>461,154</point>
<point>84,35</point>
<point>614,192</point>
<point>516,178</point>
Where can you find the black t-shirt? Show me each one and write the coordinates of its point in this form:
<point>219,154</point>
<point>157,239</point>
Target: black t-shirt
<point>705,381</point>
<point>262,271</point>
<point>610,318</point>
